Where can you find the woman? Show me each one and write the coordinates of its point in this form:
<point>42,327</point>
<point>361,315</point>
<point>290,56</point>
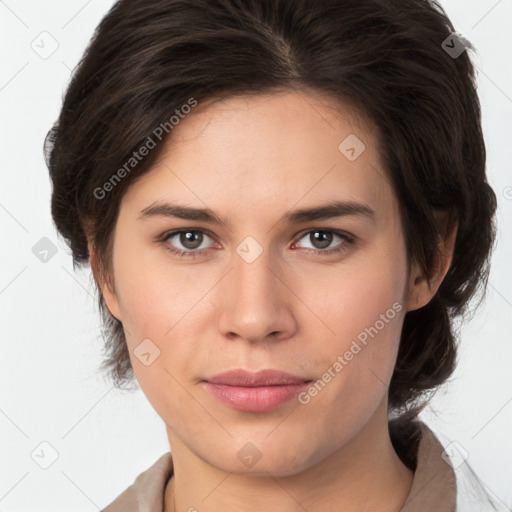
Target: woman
<point>284,205</point>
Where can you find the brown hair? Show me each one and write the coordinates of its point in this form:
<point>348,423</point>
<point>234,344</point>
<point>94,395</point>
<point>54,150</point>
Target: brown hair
<point>392,61</point>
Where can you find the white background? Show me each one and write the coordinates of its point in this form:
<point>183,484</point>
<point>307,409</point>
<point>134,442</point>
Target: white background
<point>50,339</point>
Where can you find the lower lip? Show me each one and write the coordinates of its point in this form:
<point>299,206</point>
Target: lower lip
<point>255,399</point>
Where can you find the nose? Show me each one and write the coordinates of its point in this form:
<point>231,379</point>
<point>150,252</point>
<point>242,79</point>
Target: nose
<point>256,302</point>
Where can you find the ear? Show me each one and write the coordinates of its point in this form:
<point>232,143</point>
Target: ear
<point>107,290</point>
<point>420,291</point>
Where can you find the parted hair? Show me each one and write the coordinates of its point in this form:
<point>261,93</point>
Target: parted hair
<point>399,63</point>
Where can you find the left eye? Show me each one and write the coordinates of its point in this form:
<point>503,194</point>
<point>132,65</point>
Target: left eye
<point>322,238</point>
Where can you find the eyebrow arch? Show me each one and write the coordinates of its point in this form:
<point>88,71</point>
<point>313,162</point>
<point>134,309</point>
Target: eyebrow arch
<point>324,211</point>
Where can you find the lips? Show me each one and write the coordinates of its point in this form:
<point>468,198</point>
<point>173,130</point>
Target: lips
<point>255,392</point>
<point>262,378</point>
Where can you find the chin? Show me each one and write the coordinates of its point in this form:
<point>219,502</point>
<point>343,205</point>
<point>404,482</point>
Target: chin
<point>261,459</point>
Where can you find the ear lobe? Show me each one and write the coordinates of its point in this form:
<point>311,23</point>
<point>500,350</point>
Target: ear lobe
<point>422,289</point>
<point>106,290</point>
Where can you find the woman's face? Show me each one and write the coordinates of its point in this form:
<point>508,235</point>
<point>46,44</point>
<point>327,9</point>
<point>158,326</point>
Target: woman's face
<point>322,298</point>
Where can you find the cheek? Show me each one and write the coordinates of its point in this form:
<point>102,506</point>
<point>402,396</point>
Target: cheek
<point>362,311</point>
<point>152,296</point>
<point>167,304</point>
<point>367,335</point>
<point>352,297</point>
<point>157,313</point>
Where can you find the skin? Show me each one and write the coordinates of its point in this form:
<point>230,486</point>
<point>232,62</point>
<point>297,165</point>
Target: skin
<point>252,159</point>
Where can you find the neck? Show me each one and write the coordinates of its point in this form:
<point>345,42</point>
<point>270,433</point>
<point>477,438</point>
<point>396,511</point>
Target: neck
<point>364,474</point>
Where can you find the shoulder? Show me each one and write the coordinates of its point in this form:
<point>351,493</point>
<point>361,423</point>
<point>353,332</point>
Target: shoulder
<point>146,493</point>
<point>443,478</point>
<point>434,485</point>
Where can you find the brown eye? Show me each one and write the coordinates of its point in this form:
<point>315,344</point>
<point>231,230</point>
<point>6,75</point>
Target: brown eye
<point>322,239</point>
<point>186,241</point>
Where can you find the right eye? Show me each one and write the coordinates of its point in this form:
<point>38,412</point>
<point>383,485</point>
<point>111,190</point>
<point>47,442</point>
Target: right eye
<point>191,240</point>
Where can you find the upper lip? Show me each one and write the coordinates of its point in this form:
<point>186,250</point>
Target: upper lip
<point>245,378</point>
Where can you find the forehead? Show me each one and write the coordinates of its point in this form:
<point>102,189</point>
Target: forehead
<point>253,154</point>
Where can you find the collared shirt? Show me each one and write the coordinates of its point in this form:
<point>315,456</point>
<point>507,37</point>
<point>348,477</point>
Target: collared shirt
<point>434,487</point>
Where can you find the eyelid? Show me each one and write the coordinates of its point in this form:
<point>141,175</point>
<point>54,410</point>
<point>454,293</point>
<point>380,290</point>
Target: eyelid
<point>167,234</point>
<point>297,236</point>
<point>334,231</point>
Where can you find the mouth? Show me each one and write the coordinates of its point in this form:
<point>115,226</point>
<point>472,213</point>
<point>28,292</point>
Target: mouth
<point>262,391</point>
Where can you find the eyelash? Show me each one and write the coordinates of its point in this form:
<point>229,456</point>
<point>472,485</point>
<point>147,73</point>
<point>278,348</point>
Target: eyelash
<point>192,253</point>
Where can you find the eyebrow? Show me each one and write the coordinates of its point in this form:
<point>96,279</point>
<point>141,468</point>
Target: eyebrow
<point>325,211</point>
